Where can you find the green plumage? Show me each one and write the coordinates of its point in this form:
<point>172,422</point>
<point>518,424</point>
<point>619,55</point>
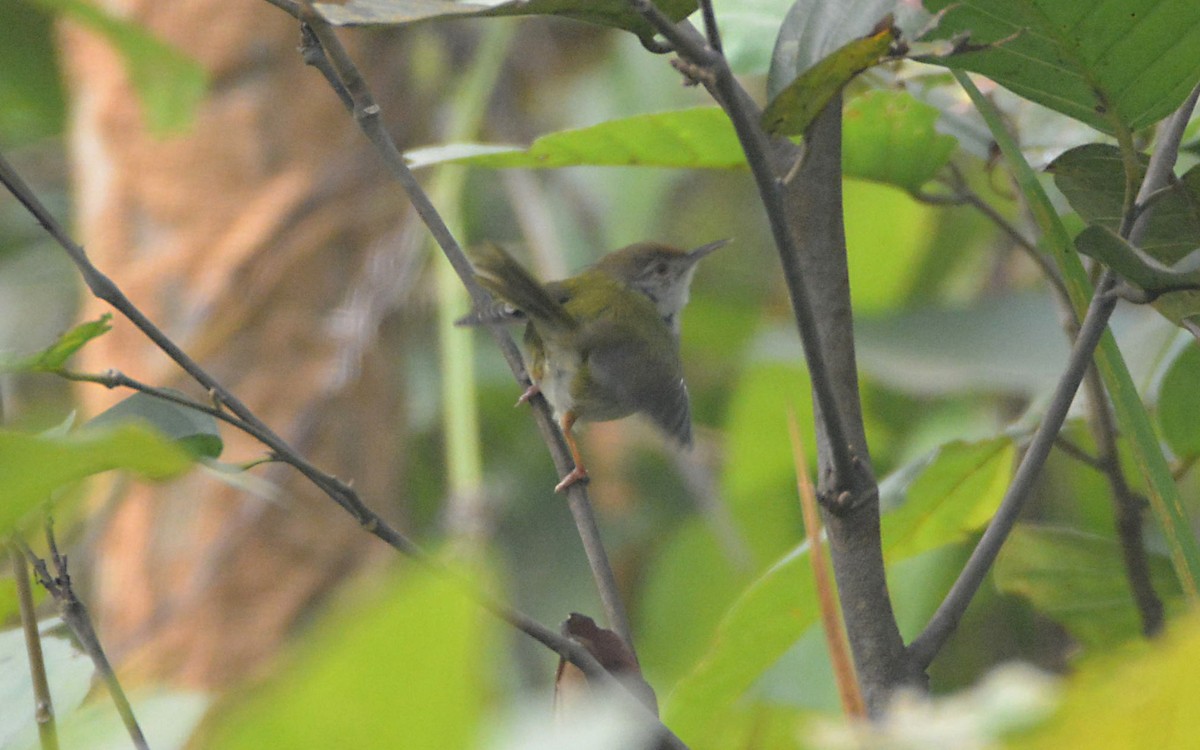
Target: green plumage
<point>599,348</point>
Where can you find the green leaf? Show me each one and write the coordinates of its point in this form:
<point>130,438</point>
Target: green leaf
<point>692,138</point>
<point>813,30</point>
<point>169,84</point>
<point>33,466</point>
<point>1133,265</point>
<point>1092,178</point>
<point>798,104</point>
<point>411,669</point>
<point>957,491</point>
<point>692,573</point>
<point>54,357</point>
<point>1179,404</point>
<point>616,13</point>
<point>1078,580</point>
<point>957,494</point>
<point>195,431</point>
<point>1009,344</point>
<point>889,136</point>
<point>32,104</point>
<point>1136,699</point>
<point>888,234</point>
<point>759,480</point>
<point>1115,66</point>
<point>1132,418</point>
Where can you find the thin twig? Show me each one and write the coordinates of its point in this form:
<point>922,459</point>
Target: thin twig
<point>367,114</point>
<point>963,194</point>
<point>1070,449</point>
<point>710,26</point>
<point>1128,507</point>
<point>75,615</point>
<point>116,379</point>
<point>43,704</point>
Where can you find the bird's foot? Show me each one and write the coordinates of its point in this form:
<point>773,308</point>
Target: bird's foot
<point>529,393</point>
<point>578,474</point>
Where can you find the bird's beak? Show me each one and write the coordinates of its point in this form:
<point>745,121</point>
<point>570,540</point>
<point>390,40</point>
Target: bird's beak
<point>703,250</point>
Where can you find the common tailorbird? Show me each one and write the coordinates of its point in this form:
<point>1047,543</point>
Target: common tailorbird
<point>603,344</point>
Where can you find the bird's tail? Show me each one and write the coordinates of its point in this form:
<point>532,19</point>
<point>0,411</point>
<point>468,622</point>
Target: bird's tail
<point>504,277</point>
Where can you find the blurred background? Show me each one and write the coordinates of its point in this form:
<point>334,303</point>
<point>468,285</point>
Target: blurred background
<point>262,234</point>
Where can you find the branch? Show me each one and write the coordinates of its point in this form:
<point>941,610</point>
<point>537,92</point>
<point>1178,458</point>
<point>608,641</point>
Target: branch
<point>340,492</point>
<point>43,704</point>
<point>1127,507</point>
<point>801,193</point>
<point>852,482</point>
<point>950,612</point>
<point>1095,322</point>
<point>75,615</point>
<point>367,114</point>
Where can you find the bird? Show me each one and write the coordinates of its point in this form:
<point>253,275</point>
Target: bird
<point>603,344</point>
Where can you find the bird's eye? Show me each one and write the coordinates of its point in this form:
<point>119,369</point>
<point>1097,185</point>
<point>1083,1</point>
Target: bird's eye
<point>661,268</point>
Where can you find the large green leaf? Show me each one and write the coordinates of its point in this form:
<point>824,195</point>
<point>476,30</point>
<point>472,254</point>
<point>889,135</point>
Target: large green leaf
<point>32,104</point>
<point>617,13</point>
<point>957,494</point>
<point>889,138</point>
<point>1077,579</point>
<point>33,466</point>
<point>957,491</point>
<point>815,29</point>
<point>1179,404</point>
<point>169,84</point>
<point>1010,344</point>
<point>412,669</point>
<point>794,108</point>
<point>1119,65</point>
<point>193,430</point>
<point>699,138</point>
<point>1139,698</point>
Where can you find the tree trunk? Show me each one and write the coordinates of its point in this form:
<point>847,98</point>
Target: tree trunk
<point>264,241</point>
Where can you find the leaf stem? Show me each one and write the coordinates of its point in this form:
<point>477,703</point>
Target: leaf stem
<point>42,702</point>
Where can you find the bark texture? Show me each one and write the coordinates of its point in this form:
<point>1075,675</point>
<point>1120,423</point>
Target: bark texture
<point>265,242</point>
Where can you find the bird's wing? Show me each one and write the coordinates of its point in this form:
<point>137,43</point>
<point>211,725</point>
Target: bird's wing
<point>643,377</point>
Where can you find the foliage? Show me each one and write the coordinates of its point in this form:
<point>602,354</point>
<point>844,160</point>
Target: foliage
<point>959,343</point>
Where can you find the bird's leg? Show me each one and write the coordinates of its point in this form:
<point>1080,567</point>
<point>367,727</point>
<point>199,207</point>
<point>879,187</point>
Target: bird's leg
<point>529,393</point>
<point>578,474</point>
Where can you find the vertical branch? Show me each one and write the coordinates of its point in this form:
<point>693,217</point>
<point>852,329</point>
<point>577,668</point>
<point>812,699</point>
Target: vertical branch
<point>43,705</point>
<point>805,216</point>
